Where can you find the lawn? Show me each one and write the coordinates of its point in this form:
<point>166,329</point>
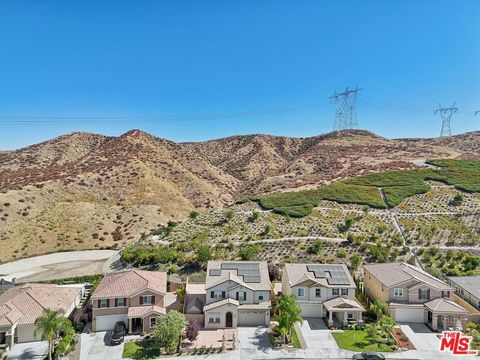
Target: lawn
<point>140,350</point>
<point>358,340</point>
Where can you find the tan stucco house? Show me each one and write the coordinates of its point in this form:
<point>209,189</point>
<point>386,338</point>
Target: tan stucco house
<point>136,297</point>
<point>413,295</point>
<point>237,293</point>
<point>323,290</point>
<point>20,306</point>
<point>468,288</point>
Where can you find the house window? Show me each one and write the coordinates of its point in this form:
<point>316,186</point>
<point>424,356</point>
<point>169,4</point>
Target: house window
<point>103,303</point>
<point>153,321</point>
<point>423,294</point>
<point>349,316</point>
<point>344,292</point>
<point>146,300</point>
<point>335,292</point>
<point>398,292</point>
<point>260,297</point>
<point>445,294</point>
<point>318,293</point>
<point>214,318</point>
<point>217,294</point>
<point>241,295</point>
<point>301,292</point>
<point>120,302</point>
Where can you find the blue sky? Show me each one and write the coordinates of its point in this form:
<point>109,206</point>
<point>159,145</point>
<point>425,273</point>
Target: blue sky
<point>133,59</point>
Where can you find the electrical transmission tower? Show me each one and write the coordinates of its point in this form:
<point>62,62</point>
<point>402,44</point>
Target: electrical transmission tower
<point>476,112</point>
<point>446,115</point>
<point>345,109</point>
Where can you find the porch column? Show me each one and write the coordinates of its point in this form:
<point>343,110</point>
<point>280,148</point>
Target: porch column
<point>129,325</point>
<point>345,318</point>
<point>330,318</point>
<point>444,322</point>
<point>359,316</point>
<point>434,321</point>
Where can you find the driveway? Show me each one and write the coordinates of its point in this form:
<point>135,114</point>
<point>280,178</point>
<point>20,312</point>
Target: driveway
<point>317,335</point>
<point>97,346</point>
<point>254,338</point>
<point>421,336</point>
<point>27,351</point>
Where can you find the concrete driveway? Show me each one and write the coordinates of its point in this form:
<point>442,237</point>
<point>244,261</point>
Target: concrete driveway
<point>254,338</point>
<point>421,336</point>
<point>97,346</point>
<point>27,351</point>
<point>317,335</point>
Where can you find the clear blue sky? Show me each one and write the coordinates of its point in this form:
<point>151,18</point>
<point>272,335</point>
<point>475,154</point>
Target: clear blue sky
<point>158,58</point>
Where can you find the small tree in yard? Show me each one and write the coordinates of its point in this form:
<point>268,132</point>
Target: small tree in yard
<point>50,325</point>
<point>168,331</point>
<point>288,312</point>
<point>378,308</point>
<point>192,330</point>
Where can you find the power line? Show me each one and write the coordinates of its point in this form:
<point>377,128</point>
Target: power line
<point>345,109</point>
<point>446,115</point>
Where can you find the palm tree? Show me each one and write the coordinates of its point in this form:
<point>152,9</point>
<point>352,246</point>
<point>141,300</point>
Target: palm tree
<point>181,293</point>
<point>50,325</point>
<point>288,312</point>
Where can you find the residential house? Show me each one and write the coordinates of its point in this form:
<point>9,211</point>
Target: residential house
<point>468,288</point>
<point>413,295</point>
<point>136,297</point>
<point>323,290</point>
<point>20,306</point>
<point>237,293</point>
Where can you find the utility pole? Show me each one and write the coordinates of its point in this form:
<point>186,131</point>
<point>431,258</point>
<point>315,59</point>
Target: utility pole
<point>345,109</point>
<point>446,115</point>
<point>476,112</point>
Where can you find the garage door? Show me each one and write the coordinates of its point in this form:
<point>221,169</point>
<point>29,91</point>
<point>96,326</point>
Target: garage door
<point>414,315</point>
<point>312,310</point>
<point>104,323</point>
<point>251,318</point>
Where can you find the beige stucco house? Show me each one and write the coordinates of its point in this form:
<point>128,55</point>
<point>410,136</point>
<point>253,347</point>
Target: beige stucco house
<point>20,306</point>
<point>136,297</point>
<point>468,288</point>
<point>237,293</point>
<point>323,290</point>
<point>413,295</point>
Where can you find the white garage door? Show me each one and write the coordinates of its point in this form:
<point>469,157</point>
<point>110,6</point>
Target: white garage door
<point>251,318</point>
<point>312,310</point>
<point>414,315</point>
<point>104,323</point>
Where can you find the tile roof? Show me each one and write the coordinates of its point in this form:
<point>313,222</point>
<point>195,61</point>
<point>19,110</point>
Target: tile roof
<point>340,303</point>
<point>266,305</point>
<point>444,305</point>
<point>24,304</point>
<point>468,283</point>
<point>323,275</point>
<point>258,281</point>
<point>130,282</point>
<point>221,303</point>
<point>142,311</point>
<point>390,274</point>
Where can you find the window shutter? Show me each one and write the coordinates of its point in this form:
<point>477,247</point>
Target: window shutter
<point>212,294</point>
<point>125,301</point>
<point>428,294</point>
<point>245,296</point>
<point>223,294</point>
<point>108,302</point>
<point>116,302</point>
<point>99,303</point>
<point>153,299</point>
<point>419,293</point>
<point>236,295</point>
<point>141,300</point>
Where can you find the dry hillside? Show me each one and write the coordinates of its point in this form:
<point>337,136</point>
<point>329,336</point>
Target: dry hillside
<point>90,191</point>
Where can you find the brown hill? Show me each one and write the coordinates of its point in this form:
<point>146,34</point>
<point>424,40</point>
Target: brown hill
<point>91,191</point>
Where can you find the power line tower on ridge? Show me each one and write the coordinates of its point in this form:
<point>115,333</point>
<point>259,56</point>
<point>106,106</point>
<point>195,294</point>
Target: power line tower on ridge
<point>345,109</point>
<point>446,115</point>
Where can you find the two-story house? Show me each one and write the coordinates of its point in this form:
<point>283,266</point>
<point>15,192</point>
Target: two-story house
<point>323,290</point>
<point>237,293</point>
<point>136,297</point>
<point>468,288</point>
<point>413,295</point>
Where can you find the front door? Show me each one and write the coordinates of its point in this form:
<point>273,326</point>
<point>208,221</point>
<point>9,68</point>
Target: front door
<point>228,319</point>
<point>137,325</point>
<point>3,337</point>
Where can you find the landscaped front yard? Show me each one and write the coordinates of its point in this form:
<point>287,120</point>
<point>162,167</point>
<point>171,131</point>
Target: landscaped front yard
<point>358,340</point>
<point>140,350</point>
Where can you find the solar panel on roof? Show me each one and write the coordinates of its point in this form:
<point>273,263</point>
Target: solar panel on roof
<point>249,272</point>
<point>215,272</point>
